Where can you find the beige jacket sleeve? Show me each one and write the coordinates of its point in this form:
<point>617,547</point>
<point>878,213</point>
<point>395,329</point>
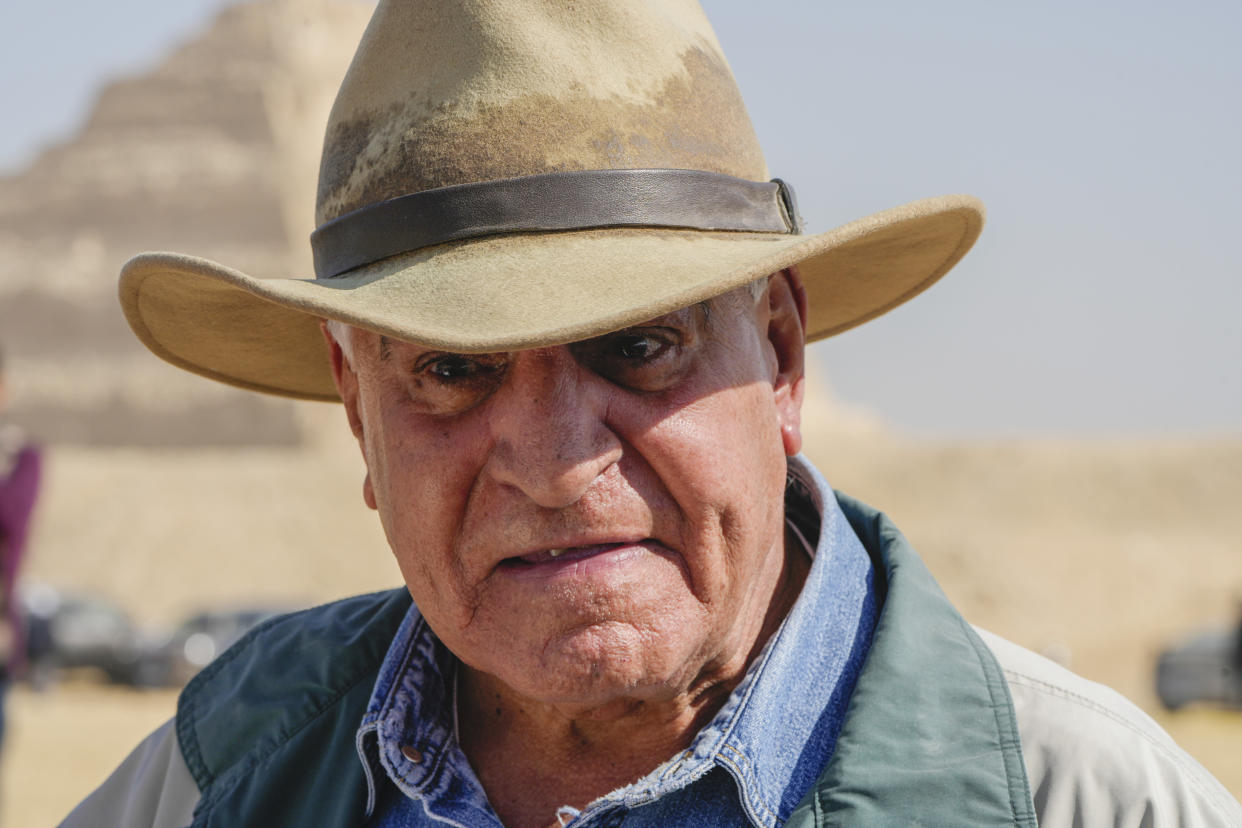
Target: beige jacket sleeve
<point>1094,759</point>
<point>152,788</point>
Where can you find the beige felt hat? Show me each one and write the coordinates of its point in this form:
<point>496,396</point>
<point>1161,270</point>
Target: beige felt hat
<point>506,174</point>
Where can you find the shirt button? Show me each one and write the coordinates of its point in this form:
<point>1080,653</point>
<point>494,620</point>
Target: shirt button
<point>412,753</point>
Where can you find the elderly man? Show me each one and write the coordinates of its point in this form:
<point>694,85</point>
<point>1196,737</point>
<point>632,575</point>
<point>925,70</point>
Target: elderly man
<point>565,311</point>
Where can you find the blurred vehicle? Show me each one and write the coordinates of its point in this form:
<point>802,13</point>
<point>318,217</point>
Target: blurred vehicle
<point>71,631</point>
<point>195,643</point>
<point>1205,668</point>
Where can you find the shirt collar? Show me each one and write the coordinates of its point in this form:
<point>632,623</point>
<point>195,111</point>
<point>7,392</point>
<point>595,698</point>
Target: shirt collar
<point>778,729</point>
<point>774,735</point>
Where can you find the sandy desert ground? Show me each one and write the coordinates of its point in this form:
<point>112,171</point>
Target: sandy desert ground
<point>1099,552</point>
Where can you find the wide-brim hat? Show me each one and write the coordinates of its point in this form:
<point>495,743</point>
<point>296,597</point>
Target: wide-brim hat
<point>513,174</point>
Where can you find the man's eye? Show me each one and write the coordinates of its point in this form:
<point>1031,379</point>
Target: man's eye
<point>637,346</point>
<point>455,368</point>
<point>445,384</point>
<point>646,359</point>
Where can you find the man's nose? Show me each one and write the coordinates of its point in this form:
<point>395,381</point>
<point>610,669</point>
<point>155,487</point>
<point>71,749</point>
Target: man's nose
<point>550,437</point>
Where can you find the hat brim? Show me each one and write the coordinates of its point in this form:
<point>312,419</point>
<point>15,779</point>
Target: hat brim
<point>521,291</point>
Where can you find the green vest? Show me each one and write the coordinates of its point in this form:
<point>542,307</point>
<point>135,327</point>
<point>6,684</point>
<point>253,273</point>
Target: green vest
<point>929,738</point>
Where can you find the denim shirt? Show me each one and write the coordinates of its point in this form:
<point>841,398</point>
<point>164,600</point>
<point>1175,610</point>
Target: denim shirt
<point>750,765</point>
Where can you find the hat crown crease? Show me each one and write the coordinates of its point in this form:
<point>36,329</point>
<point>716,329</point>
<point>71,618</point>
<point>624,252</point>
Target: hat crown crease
<point>461,91</point>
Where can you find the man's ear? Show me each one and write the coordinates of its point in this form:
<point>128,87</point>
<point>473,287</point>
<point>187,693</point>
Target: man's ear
<point>346,380</point>
<point>787,336</point>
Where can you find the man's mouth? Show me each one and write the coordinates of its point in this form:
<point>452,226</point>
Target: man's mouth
<point>566,554</point>
<point>592,562</point>
<point>560,559</point>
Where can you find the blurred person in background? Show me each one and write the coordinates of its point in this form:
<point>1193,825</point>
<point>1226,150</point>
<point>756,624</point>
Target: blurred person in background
<point>20,462</point>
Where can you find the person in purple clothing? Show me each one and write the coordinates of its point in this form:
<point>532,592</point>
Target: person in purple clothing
<point>20,464</point>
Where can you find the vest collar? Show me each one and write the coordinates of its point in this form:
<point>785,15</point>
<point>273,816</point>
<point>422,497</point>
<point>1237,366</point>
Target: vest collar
<point>930,736</point>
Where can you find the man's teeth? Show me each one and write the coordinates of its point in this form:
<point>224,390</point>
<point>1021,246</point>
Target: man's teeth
<point>556,553</point>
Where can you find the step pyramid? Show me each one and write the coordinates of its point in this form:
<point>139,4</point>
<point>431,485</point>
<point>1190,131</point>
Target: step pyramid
<point>212,152</point>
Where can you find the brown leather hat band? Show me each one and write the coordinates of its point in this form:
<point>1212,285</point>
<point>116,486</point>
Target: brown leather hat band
<point>577,200</point>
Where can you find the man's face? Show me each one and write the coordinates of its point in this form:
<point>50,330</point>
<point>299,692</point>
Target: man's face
<point>596,521</point>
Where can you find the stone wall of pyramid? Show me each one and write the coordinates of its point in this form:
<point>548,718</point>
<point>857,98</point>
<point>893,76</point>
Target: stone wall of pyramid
<point>213,152</point>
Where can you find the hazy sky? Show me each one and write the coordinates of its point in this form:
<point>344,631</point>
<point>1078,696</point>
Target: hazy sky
<point>1104,138</point>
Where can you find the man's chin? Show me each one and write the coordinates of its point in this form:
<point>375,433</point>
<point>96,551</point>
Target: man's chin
<point>616,676</point>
